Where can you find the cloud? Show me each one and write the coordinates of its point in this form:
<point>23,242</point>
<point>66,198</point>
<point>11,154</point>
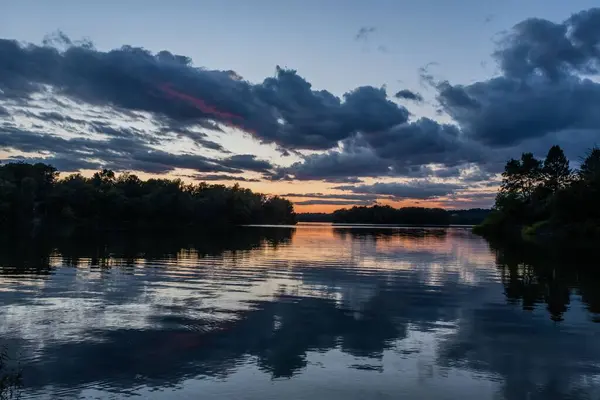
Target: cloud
<point>469,199</point>
<point>541,98</point>
<point>247,162</point>
<point>402,151</point>
<point>53,117</point>
<point>547,92</point>
<point>221,177</point>
<point>117,153</point>
<point>342,179</point>
<point>104,126</point>
<point>406,190</point>
<point>283,109</point>
<point>63,164</point>
<point>4,112</point>
<point>553,50</point>
<point>543,89</point>
<point>364,197</point>
<point>509,112</point>
<point>332,202</point>
<point>364,32</point>
<point>357,161</point>
<point>121,132</point>
<point>209,144</point>
<point>200,138</point>
<point>409,95</point>
<point>423,142</point>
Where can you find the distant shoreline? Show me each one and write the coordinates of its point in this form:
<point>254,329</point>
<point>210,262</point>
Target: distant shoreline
<point>358,225</point>
<point>383,215</point>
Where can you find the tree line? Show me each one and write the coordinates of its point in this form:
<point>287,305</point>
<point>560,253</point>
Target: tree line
<point>32,196</point>
<point>385,214</point>
<point>548,201</point>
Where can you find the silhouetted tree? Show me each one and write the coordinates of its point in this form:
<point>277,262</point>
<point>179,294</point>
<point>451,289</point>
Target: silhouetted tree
<point>379,214</point>
<point>590,168</point>
<point>31,197</point>
<point>521,177</point>
<point>548,201</point>
<point>556,170</point>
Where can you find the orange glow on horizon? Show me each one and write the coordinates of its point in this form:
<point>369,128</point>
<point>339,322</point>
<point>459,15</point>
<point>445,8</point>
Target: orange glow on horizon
<point>328,208</point>
<point>282,188</point>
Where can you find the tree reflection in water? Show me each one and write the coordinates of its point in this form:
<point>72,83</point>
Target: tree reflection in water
<point>381,285</point>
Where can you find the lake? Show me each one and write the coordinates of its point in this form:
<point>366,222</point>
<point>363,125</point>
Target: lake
<point>306,312</point>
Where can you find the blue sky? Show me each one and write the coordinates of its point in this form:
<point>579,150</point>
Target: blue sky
<point>455,39</point>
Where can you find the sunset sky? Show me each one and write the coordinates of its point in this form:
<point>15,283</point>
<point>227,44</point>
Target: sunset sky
<point>330,103</point>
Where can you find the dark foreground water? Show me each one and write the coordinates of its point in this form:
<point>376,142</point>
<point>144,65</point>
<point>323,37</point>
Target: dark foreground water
<point>312,312</point>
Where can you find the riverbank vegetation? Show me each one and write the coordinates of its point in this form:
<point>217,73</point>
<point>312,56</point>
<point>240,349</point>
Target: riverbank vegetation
<point>315,217</point>
<point>384,214</point>
<point>32,196</point>
<point>546,201</point>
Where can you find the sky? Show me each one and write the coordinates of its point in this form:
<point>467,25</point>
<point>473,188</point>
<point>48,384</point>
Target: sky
<point>331,103</point>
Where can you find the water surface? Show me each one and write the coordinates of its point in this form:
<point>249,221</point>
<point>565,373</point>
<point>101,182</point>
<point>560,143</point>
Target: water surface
<point>311,312</point>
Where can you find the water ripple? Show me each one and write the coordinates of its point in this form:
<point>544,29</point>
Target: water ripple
<point>312,311</point>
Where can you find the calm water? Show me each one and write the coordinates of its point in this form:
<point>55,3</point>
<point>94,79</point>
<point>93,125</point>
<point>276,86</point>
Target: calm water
<point>312,312</point>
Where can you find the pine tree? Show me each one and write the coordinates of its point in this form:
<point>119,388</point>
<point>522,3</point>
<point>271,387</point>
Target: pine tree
<point>556,171</point>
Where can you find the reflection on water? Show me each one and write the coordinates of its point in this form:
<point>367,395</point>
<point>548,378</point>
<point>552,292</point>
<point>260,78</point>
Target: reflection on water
<point>312,312</point>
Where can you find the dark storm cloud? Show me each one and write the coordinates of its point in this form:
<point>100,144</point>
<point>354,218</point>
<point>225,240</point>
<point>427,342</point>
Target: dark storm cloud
<point>410,190</point>
<point>545,94</point>
<point>409,95</point>
<point>542,89</point>
<point>4,112</point>
<point>358,161</point>
<point>247,162</point>
<point>404,150</point>
<point>552,49</point>
<point>283,109</point>
<point>425,141</point>
<point>541,98</point>
<point>456,96</point>
<point>511,111</point>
